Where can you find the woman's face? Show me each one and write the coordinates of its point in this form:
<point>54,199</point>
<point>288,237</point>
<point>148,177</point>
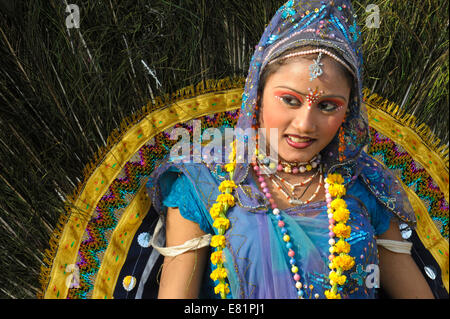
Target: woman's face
<point>304,127</point>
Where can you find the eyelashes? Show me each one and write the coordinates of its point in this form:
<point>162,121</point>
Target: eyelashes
<point>330,106</point>
<point>289,100</point>
<point>327,106</point>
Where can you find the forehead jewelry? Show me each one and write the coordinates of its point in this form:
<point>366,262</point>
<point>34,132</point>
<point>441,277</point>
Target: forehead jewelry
<point>313,96</point>
<point>312,51</point>
<point>315,69</point>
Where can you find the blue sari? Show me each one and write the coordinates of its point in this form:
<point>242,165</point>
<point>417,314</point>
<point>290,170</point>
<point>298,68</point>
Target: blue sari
<point>256,256</point>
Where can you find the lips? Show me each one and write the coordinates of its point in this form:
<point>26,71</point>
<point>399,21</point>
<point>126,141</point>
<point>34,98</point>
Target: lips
<point>299,142</point>
<point>299,139</point>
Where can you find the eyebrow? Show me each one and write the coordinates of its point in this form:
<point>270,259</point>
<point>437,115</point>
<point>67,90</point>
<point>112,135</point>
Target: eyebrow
<point>306,94</point>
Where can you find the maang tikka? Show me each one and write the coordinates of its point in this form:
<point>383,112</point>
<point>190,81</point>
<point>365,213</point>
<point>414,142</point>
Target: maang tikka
<point>315,69</point>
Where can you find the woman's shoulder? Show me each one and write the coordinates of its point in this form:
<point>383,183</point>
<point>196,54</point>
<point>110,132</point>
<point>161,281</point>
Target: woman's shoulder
<point>380,181</point>
<point>383,189</point>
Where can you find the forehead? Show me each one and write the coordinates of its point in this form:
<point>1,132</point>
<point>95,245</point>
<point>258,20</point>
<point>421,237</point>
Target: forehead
<point>295,72</point>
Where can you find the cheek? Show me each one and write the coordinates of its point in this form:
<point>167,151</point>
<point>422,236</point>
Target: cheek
<point>271,116</point>
<point>330,129</point>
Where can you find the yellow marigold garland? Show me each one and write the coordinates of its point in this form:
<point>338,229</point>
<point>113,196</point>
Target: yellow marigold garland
<point>218,241</point>
<point>222,223</point>
<point>338,213</point>
<point>217,257</point>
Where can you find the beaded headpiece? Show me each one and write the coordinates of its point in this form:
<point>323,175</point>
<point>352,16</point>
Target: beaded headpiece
<point>315,68</point>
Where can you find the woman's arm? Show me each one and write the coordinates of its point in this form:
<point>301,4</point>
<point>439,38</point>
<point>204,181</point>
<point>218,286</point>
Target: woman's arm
<point>399,274</point>
<point>181,275</point>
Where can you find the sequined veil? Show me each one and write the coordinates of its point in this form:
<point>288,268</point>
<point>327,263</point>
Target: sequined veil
<point>112,249</point>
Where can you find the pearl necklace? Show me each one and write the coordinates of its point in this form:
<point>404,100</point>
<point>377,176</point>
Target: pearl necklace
<point>293,200</point>
<point>293,186</point>
<point>285,234</point>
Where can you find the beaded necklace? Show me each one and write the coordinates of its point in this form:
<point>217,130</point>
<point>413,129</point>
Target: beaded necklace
<point>290,197</point>
<point>300,184</point>
<point>294,168</point>
<point>338,215</point>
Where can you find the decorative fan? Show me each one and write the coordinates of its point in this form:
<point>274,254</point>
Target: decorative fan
<point>100,248</point>
<point>71,71</point>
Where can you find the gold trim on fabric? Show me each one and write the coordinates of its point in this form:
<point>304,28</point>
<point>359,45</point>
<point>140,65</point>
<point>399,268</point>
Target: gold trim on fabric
<point>413,144</point>
<point>213,97</point>
<point>423,147</point>
<point>121,239</point>
<point>429,235</point>
<point>66,240</point>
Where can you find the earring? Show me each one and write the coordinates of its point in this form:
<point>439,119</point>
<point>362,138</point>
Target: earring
<point>341,147</point>
<point>255,117</point>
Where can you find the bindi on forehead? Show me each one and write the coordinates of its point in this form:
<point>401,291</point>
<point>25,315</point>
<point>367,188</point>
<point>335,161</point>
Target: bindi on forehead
<point>313,96</point>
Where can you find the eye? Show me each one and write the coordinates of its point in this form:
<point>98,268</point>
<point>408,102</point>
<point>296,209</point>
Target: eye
<point>290,100</point>
<point>329,106</point>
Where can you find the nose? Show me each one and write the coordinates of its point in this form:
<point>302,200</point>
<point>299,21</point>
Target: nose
<point>305,120</point>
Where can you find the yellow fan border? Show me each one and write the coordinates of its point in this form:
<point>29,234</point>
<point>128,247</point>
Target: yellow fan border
<point>206,98</point>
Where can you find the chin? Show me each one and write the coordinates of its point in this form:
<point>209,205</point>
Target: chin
<point>289,154</point>
<point>295,156</point>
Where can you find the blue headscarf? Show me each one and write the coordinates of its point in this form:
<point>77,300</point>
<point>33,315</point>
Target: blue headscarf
<point>330,25</point>
<point>322,24</point>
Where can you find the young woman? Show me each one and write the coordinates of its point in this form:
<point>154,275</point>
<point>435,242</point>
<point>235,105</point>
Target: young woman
<point>321,221</point>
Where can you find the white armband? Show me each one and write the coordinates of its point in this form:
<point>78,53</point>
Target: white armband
<point>192,244</point>
<point>396,246</point>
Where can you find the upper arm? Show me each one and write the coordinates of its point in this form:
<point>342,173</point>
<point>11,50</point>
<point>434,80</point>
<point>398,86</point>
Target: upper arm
<point>399,274</point>
<point>181,275</point>
<point>180,229</point>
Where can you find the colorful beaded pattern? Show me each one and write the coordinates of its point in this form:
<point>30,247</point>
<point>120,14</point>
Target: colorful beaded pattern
<point>337,212</point>
<point>412,175</point>
<point>96,237</point>
<point>97,229</point>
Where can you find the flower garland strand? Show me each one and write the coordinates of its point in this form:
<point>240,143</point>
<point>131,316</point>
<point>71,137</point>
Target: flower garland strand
<point>338,213</point>
<point>222,223</point>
